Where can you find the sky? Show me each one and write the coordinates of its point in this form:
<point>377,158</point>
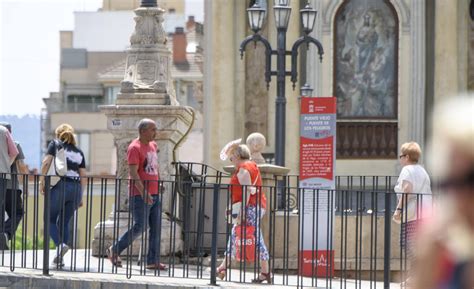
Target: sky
<point>29,48</point>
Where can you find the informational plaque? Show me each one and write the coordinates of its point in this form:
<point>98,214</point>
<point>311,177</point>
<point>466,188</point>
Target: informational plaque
<point>317,182</point>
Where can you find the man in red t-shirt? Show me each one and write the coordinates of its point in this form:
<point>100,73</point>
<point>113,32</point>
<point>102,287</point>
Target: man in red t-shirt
<point>144,200</point>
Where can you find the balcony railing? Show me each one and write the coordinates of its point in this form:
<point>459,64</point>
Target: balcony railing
<point>57,105</point>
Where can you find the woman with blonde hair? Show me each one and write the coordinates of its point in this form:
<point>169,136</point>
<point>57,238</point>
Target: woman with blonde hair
<point>66,195</point>
<point>246,191</point>
<point>414,189</point>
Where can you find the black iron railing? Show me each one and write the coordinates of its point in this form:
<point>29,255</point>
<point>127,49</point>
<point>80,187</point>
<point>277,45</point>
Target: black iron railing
<point>345,233</point>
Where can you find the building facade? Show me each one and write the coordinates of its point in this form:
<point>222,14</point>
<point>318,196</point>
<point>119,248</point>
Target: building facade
<point>387,62</point>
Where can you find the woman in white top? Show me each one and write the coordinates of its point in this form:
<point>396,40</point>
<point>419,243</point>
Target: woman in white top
<point>414,187</point>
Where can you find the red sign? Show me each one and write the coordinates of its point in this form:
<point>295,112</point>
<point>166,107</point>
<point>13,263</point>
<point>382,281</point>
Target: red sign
<point>317,137</point>
<point>317,160</point>
<point>316,263</point>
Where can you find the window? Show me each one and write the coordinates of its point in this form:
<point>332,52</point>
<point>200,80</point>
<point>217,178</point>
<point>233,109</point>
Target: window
<point>83,103</point>
<point>191,97</point>
<point>111,94</point>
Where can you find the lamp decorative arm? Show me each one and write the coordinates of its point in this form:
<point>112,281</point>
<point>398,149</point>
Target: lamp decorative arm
<point>268,53</point>
<point>294,54</point>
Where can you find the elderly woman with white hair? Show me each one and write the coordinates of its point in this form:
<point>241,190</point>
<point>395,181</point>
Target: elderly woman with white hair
<point>246,189</point>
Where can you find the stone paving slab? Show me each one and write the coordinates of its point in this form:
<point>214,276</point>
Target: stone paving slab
<point>100,274</point>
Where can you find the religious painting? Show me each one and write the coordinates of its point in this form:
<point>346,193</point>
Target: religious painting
<point>366,44</point>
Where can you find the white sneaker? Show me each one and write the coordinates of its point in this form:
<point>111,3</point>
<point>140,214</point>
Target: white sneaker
<point>59,257</point>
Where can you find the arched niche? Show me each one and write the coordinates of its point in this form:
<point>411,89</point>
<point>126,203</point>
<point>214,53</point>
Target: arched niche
<point>366,41</point>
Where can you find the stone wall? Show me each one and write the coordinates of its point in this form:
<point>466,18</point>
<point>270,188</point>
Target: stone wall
<point>367,248</point>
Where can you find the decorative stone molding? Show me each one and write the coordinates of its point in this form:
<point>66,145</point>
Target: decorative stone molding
<point>148,27</point>
<point>147,78</point>
<point>331,7</point>
<point>329,13</point>
<point>403,11</point>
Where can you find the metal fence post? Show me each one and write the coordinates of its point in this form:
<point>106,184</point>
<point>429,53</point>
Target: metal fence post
<point>215,218</point>
<point>46,235</point>
<point>387,240</point>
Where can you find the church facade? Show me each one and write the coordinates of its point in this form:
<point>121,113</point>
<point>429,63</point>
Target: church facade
<point>388,63</point>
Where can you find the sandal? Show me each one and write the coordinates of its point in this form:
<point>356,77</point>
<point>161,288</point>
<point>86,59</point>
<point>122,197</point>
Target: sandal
<point>113,257</point>
<point>263,277</point>
<point>221,273</point>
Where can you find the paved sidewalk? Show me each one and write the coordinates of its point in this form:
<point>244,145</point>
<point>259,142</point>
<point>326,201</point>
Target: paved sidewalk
<point>98,273</point>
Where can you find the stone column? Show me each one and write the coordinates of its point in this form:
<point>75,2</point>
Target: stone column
<point>146,92</point>
<point>416,129</point>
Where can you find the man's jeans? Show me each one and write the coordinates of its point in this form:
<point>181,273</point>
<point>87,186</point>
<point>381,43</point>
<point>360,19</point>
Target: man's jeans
<point>143,215</point>
<point>14,210</point>
<point>65,198</point>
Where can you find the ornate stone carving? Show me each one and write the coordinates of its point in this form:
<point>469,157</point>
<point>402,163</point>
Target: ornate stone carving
<point>159,87</point>
<point>126,86</point>
<point>148,27</point>
<point>163,71</point>
<point>256,143</point>
<point>148,61</point>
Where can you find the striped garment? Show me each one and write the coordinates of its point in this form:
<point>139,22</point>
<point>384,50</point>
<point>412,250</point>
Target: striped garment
<point>408,233</point>
<point>251,213</point>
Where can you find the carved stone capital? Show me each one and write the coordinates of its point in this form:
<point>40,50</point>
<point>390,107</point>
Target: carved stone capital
<point>148,27</point>
<point>148,65</point>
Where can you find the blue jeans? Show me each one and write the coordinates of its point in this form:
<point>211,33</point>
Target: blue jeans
<point>65,198</point>
<point>143,215</point>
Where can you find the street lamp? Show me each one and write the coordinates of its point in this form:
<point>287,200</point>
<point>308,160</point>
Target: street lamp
<point>281,11</point>
<point>306,90</point>
<point>256,16</point>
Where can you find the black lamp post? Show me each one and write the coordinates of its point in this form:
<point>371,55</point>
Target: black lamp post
<point>282,11</point>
